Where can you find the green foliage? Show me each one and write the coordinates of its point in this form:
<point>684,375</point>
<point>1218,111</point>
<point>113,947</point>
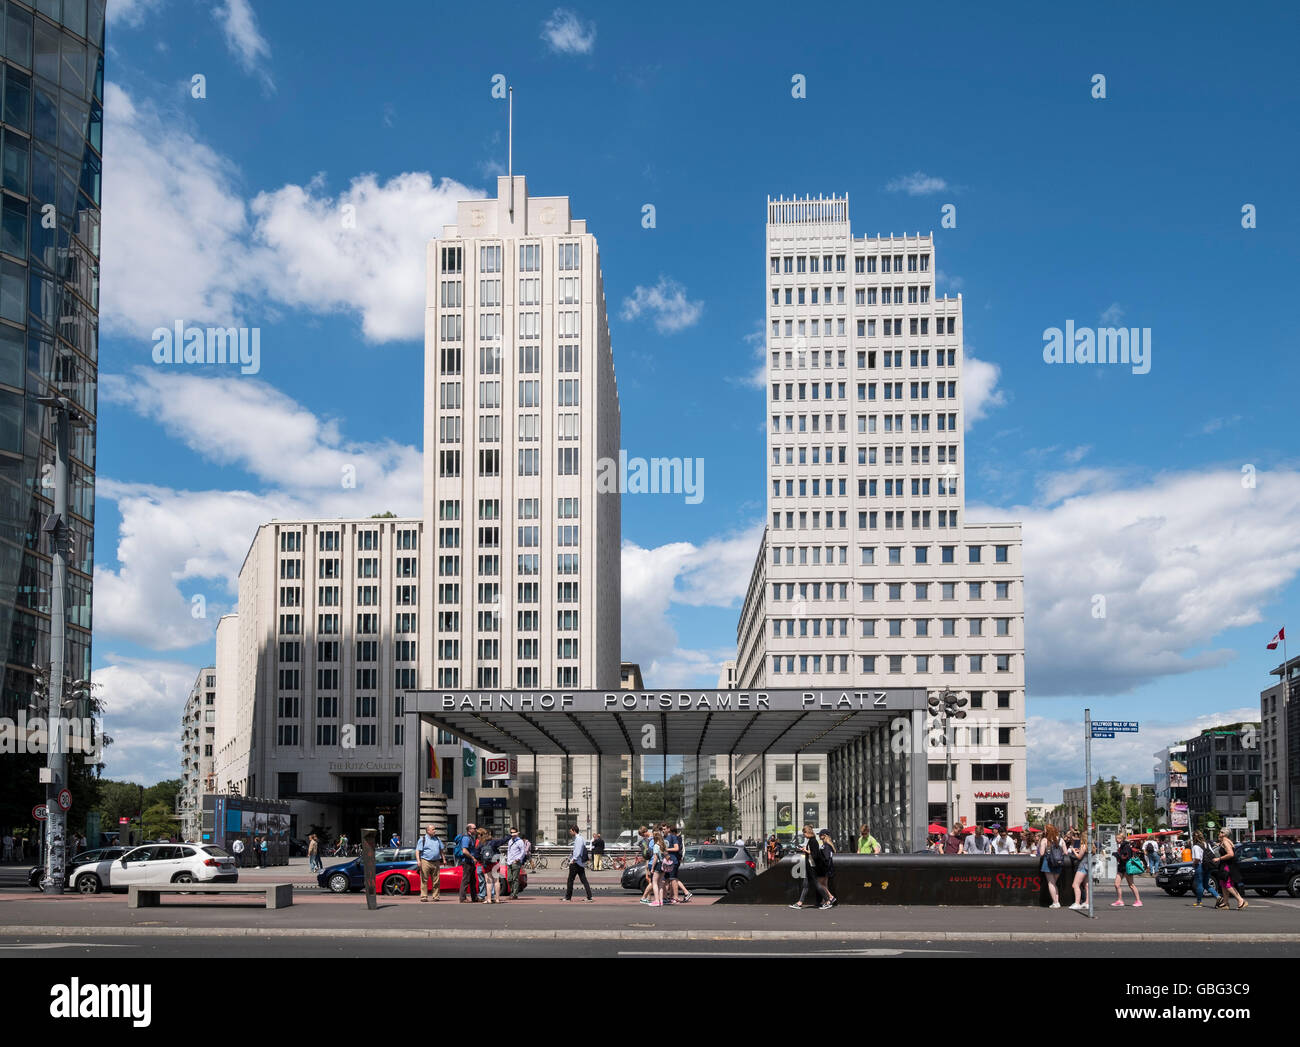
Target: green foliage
<point>654,802</point>
<point>164,792</point>
<point>383,516</point>
<point>713,807</point>
<point>159,822</point>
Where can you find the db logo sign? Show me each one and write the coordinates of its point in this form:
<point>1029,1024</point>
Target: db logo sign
<point>500,767</point>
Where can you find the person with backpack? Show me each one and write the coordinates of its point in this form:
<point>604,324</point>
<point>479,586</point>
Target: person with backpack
<point>577,865</point>
<point>1080,885</point>
<point>516,855</point>
<point>1053,861</point>
<point>675,843</point>
<point>428,856</point>
<point>489,857</point>
<point>1153,856</point>
<point>1128,864</point>
<point>1202,871</point>
<point>463,852</point>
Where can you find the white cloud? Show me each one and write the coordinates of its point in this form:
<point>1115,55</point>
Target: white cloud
<point>130,12</point>
<point>714,574</point>
<point>666,301</point>
<point>918,183</point>
<point>243,39</point>
<point>565,33</point>
<point>1056,749</point>
<point>180,242</point>
<point>1112,314</point>
<point>175,544</point>
<point>1178,559</point>
<point>980,392</point>
<point>143,703</point>
<point>757,341</point>
<point>950,283</point>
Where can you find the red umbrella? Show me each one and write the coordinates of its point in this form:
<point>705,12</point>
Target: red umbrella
<point>1016,829</point>
<point>975,828</point>
<point>936,828</point>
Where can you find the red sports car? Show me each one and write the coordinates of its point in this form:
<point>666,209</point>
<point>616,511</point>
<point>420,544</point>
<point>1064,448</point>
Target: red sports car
<point>407,881</point>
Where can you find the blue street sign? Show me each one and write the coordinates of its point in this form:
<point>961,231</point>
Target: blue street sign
<point>1102,734</point>
<point>1127,726</point>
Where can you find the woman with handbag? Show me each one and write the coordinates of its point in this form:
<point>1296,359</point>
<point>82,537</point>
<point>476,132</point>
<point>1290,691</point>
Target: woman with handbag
<point>1077,847</point>
<point>1229,874</point>
<point>1129,863</point>
<point>657,852</point>
<point>1052,856</point>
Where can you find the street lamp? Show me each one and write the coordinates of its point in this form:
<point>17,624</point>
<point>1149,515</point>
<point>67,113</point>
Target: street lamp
<point>586,796</point>
<point>946,706</point>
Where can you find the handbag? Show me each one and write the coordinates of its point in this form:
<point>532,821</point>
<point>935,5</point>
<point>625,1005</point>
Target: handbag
<point>1134,866</point>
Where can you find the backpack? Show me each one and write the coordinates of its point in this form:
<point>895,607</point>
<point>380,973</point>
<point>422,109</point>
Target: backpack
<point>460,850</point>
<point>1055,858</point>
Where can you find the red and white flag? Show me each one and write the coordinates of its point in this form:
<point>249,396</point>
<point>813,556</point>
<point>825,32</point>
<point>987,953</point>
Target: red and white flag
<point>1281,635</point>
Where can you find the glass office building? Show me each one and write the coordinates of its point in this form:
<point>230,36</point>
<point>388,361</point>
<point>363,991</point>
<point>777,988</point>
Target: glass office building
<point>52,127</point>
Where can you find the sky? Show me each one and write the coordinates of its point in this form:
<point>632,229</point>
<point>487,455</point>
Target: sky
<point>1160,510</point>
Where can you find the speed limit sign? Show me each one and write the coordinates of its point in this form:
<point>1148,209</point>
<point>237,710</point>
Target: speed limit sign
<point>65,799</point>
<point>40,812</point>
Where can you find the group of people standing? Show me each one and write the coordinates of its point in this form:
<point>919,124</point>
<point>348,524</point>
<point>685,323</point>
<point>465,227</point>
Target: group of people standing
<point>258,848</point>
<point>661,849</point>
<point>479,856</point>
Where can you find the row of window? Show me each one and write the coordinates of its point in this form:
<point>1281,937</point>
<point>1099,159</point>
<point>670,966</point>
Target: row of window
<point>783,664</point>
<point>328,541</point>
<point>866,423</point>
<point>365,651</point>
<point>489,594</point>
<point>527,677</point>
<point>328,624</point>
<point>568,393</point>
<point>916,294</point>
<point>328,679</point>
<point>489,565</point>
<point>869,359</point>
<point>889,327</point>
<point>366,567</point>
<point>804,591</point>
<point>893,627</point>
<point>527,508</point>
<point>782,264</point>
<point>527,536</point>
<point>367,595</point>
<point>451,294</point>
<point>568,258</point>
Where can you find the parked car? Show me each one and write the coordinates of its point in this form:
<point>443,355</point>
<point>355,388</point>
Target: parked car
<point>1266,868</point>
<point>407,881</point>
<point>37,874</point>
<point>716,867</point>
<point>350,875</point>
<point>156,863</point>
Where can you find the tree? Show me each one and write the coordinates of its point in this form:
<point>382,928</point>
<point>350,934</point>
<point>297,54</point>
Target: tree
<point>654,802</point>
<point>165,792</point>
<point>383,516</point>
<point>159,822</point>
<point>713,807</point>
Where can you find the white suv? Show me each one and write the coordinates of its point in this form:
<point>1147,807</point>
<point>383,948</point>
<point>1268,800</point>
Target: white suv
<point>157,863</point>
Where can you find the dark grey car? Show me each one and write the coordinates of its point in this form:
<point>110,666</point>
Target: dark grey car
<point>705,867</point>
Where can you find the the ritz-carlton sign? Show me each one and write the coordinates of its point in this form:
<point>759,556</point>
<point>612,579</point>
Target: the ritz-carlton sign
<point>663,701</point>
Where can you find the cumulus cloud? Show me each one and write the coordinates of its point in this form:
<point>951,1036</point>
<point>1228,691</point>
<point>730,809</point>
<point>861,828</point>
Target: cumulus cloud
<point>130,12</point>
<point>666,303</point>
<point>1112,314</point>
<point>1175,560</point>
<point>565,33</point>
<point>243,39</point>
<point>143,702</point>
<point>980,392</point>
<point>1056,754</point>
<point>715,573</point>
<point>181,242</point>
<point>918,183</point>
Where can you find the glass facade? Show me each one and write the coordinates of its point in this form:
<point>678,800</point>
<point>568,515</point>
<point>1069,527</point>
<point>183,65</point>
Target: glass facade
<point>51,142</point>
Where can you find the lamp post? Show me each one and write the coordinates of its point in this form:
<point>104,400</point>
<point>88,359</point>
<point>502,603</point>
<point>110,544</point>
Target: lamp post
<point>946,706</point>
<point>586,797</point>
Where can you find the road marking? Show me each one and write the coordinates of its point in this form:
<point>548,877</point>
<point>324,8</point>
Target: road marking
<point>63,945</point>
<point>802,950</point>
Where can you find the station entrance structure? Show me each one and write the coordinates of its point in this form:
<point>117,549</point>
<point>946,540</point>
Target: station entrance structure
<point>874,740</point>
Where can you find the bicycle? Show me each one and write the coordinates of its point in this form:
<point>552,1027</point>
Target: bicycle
<point>535,862</point>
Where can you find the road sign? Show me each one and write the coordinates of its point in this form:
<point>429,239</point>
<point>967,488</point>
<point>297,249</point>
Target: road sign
<point>1126,726</point>
<point>124,821</point>
<point>40,812</point>
<point>65,799</point>
<point>1235,823</point>
<point>1210,825</point>
<point>1101,734</point>
<point>1252,810</point>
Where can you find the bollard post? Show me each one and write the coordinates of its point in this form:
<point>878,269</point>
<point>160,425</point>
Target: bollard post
<point>368,864</point>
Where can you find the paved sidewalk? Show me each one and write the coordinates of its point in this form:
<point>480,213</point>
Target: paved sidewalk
<point>620,916</point>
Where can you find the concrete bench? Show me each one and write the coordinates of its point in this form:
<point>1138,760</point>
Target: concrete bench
<point>149,896</point>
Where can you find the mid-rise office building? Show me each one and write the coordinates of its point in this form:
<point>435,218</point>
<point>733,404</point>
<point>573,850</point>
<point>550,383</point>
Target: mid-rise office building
<point>1280,735</point>
<point>198,742</point>
<point>53,118</point>
<point>1223,770</point>
<point>869,573</point>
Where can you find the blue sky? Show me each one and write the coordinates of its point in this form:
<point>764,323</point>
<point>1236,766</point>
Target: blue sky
<point>224,209</point>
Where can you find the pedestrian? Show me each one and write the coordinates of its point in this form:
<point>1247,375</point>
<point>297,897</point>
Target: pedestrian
<point>656,868</point>
<point>1053,861</point>
<point>867,844</point>
<point>814,870</point>
<point>489,855</point>
<point>828,856</point>
<point>464,855</point>
<point>1229,872</point>
<point>952,842</point>
<point>577,865</point>
<point>313,853</point>
<point>976,842</point>
<point>1152,855</point>
<point>8,848</point>
<point>772,850</point>
<point>516,855</point>
<point>1078,851</point>
<point>237,849</point>
<point>1128,864</point>
<point>676,842</point>
<point>1002,843</point>
<point>597,851</point>
<point>395,841</point>
<point>263,853</point>
<point>428,859</point>
<point>645,843</point>
<point>1202,871</point>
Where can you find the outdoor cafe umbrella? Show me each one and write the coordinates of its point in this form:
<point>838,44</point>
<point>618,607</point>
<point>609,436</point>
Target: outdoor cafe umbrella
<point>935,827</point>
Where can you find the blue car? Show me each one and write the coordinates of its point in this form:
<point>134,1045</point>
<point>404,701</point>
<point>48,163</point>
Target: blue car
<point>350,875</point>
